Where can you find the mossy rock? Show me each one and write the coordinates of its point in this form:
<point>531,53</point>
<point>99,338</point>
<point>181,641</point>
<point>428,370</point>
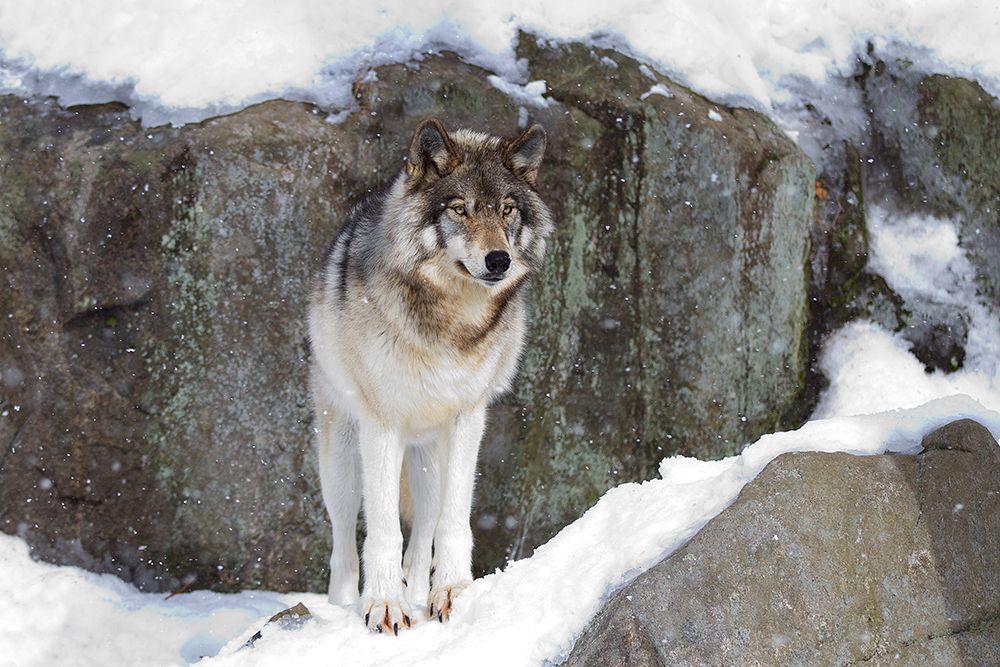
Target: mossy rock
<point>152,337</point>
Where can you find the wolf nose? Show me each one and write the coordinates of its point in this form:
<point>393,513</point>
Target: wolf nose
<point>497,261</point>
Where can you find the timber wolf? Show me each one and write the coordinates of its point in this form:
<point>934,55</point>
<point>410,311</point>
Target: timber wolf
<point>416,322</point>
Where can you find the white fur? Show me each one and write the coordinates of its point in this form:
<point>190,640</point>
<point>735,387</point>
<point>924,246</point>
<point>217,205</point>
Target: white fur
<point>381,392</point>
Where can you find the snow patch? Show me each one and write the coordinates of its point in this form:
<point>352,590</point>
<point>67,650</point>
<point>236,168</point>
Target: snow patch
<point>181,63</point>
<point>531,93</point>
<point>52,615</point>
<point>528,614</point>
<point>657,89</point>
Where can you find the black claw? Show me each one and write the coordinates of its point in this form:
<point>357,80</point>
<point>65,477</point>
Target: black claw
<point>378,629</point>
<point>366,617</point>
<point>405,585</point>
<point>395,629</point>
<point>440,619</point>
<point>406,619</point>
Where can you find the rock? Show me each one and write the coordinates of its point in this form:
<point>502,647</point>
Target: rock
<point>650,188</point>
<point>842,288</point>
<point>152,348</point>
<point>292,618</point>
<point>923,144</point>
<point>829,559</point>
<point>935,140</point>
<point>153,315</point>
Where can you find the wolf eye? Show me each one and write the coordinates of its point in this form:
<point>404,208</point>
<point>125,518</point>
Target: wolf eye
<point>508,209</point>
<point>459,209</point>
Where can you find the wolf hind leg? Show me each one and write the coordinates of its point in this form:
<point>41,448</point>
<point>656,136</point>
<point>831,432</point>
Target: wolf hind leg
<point>340,480</point>
<point>424,472</point>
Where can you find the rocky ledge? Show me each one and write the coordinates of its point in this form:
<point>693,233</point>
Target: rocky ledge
<point>829,559</point>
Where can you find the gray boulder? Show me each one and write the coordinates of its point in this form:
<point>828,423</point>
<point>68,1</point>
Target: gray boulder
<point>829,559</point>
<point>152,349</point>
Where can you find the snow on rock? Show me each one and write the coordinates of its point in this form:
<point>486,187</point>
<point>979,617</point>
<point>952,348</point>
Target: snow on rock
<point>182,62</point>
<point>531,93</point>
<point>657,89</point>
<point>528,614</point>
<point>871,369</point>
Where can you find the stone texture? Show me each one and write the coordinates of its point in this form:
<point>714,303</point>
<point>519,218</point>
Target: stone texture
<point>928,146</point>
<point>829,559</point>
<point>937,138</point>
<point>650,191</point>
<point>152,346</point>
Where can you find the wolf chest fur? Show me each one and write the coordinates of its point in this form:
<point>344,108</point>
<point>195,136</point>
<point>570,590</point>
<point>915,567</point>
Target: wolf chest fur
<point>417,322</point>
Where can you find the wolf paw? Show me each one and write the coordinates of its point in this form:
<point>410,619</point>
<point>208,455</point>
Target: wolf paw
<point>383,615</point>
<point>442,598</point>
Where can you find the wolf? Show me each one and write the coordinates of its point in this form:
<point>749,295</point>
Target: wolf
<point>416,323</point>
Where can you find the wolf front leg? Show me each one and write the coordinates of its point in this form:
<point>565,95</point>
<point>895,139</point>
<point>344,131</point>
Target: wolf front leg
<point>453,537</point>
<point>382,601</point>
<point>424,468</point>
<point>340,480</point>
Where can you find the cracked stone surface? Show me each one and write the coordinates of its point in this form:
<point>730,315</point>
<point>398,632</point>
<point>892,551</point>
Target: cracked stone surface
<point>152,348</point>
<point>829,559</point>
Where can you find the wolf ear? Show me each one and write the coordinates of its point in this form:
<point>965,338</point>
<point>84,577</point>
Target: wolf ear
<point>432,152</point>
<point>524,155</point>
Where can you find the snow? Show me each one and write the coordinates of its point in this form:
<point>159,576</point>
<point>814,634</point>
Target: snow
<point>528,614</point>
<point>657,89</point>
<point>531,93</point>
<point>179,61</point>
<point>53,615</point>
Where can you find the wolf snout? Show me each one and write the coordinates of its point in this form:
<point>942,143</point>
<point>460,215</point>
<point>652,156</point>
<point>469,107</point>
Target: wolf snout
<point>497,261</point>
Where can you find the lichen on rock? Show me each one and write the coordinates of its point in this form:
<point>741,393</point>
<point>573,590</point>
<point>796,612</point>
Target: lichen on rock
<point>158,281</point>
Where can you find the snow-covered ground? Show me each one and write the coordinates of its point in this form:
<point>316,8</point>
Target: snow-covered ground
<point>178,61</point>
<point>529,614</point>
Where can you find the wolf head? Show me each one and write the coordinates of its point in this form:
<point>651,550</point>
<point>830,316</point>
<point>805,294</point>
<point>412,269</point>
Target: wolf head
<point>478,207</point>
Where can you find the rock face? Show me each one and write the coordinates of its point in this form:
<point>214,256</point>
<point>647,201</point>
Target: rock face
<point>650,189</point>
<point>926,146</point>
<point>938,138</point>
<point>152,348</point>
<point>829,559</point>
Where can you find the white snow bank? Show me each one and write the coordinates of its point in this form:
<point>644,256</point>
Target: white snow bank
<point>52,615</point>
<point>871,369</point>
<point>529,614</point>
<point>184,60</point>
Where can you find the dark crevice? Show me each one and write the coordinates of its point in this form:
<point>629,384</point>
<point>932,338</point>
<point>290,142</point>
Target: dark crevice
<point>79,500</point>
<point>648,458</point>
<point>980,624</point>
<point>102,313</point>
<point>8,448</point>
